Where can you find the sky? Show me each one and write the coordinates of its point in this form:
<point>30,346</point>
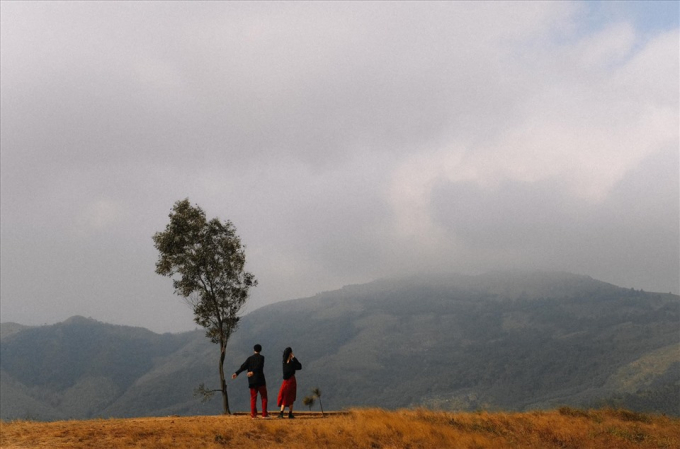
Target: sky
<point>346,141</point>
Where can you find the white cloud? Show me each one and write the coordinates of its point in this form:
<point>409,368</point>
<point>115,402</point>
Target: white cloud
<point>586,129</point>
<point>338,137</point>
<point>99,216</point>
<point>156,73</point>
<point>604,49</point>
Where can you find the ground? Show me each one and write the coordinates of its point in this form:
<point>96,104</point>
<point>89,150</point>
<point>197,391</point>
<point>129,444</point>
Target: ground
<point>371,428</point>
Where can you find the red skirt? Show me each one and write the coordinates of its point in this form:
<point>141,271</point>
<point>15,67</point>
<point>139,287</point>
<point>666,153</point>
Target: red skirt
<point>287,392</point>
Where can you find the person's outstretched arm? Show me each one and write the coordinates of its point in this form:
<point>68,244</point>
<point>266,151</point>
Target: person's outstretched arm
<point>240,370</point>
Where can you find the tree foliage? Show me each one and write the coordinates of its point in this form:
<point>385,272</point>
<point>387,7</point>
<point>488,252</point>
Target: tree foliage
<point>206,261</point>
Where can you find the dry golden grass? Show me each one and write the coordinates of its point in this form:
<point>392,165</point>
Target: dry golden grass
<point>371,428</point>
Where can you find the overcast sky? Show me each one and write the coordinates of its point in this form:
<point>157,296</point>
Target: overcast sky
<point>346,141</point>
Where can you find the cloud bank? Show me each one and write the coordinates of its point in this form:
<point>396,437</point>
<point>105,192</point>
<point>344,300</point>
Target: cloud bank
<point>346,142</point>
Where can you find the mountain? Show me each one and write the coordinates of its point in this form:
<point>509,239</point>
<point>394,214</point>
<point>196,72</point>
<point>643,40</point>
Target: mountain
<point>80,368</point>
<point>8,329</point>
<point>506,340</point>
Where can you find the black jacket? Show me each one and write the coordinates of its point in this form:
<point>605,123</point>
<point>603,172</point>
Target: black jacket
<point>254,363</point>
<point>290,368</point>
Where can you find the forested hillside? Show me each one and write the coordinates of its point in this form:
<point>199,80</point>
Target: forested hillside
<point>511,341</point>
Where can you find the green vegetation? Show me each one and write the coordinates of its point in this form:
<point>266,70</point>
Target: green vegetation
<point>206,261</point>
<point>310,400</point>
<point>451,343</point>
<point>463,345</point>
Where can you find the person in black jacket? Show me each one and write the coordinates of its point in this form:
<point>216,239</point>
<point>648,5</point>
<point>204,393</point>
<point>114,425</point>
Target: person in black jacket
<point>288,391</point>
<point>254,365</point>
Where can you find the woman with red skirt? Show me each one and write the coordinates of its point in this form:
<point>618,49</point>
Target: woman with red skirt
<point>289,386</point>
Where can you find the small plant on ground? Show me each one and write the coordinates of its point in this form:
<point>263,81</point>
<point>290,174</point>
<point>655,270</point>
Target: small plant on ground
<point>316,393</point>
<point>309,402</point>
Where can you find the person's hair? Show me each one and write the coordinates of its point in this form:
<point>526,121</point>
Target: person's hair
<point>257,348</point>
<point>286,354</point>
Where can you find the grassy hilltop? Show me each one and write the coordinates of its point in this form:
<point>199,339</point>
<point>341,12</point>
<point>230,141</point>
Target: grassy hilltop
<point>370,428</point>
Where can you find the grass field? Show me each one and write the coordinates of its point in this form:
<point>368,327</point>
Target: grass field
<point>364,428</point>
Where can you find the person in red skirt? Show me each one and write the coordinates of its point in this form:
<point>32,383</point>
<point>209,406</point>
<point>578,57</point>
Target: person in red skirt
<point>289,386</point>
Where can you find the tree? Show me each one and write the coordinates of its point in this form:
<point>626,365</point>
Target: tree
<point>206,261</point>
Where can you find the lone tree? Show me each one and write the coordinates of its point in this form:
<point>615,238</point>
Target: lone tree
<point>206,261</point>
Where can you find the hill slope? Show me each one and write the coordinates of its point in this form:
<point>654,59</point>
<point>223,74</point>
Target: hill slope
<point>506,340</point>
<point>503,340</point>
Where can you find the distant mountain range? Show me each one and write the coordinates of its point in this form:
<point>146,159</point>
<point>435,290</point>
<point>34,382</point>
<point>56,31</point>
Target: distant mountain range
<point>510,340</point>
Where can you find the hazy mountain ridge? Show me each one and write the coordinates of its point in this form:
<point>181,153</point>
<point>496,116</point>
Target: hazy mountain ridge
<point>444,341</point>
<point>487,358</point>
<point>8,329</point>
<point>80,367</point>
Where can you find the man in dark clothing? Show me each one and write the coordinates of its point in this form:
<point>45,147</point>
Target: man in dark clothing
<point>254,365</point>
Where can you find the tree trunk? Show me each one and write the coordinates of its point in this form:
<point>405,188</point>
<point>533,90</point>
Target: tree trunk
<point>223,382</point>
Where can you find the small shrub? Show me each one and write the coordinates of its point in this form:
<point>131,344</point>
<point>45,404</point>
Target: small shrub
<point>627,415</point>
<point>309,402</point>
<point>568,411</point>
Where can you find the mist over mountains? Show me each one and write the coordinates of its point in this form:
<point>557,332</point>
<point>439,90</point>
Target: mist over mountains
<point>511,340</point>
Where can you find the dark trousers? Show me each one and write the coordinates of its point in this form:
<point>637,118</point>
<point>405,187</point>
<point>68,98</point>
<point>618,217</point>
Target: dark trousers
<point>253,400</point>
